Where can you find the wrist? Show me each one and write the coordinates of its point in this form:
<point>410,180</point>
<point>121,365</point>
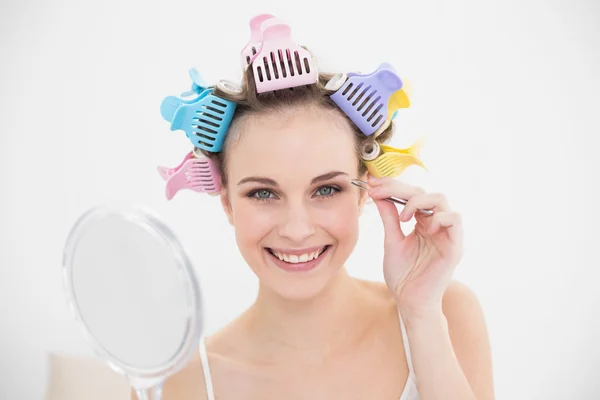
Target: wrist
<point>423,317</point>
<point>425,310</point>
<point>426,325</point>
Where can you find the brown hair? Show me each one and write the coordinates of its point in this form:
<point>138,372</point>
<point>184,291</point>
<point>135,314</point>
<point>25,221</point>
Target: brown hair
<point>249,102</point>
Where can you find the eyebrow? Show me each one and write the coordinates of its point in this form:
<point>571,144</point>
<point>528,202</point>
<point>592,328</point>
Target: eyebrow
<point>271,182</point>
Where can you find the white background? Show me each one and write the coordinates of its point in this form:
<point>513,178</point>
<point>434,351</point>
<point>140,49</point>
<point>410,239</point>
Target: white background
<point>506,92</point>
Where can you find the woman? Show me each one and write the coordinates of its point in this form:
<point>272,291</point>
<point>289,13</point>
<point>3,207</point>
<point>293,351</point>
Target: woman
<point>314,332</point>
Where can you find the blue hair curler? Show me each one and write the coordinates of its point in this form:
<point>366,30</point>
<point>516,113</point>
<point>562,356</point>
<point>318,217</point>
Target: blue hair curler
<point>198,84</point>
<point>205,119</point>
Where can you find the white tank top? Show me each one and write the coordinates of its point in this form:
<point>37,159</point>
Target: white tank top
<point>410,391</point>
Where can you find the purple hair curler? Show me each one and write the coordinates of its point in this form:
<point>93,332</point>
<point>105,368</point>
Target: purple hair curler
<point>364,98</point>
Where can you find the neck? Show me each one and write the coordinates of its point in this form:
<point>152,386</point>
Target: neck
<point>316,327</point>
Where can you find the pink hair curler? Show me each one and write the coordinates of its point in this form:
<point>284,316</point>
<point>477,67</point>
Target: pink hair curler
<point>280,63</point>
<point>166,172</point>
<point>253,45</point>
<point>197,174</point>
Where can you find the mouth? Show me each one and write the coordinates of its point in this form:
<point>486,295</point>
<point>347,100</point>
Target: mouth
<point>294,261</point>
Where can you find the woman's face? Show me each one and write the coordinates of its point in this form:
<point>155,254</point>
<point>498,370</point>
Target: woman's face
<point>290,199</point>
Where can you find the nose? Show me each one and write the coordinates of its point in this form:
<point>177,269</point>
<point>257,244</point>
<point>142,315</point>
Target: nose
<point>296,223</point>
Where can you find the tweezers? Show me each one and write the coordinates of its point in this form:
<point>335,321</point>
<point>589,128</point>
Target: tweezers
<point>365,186</point>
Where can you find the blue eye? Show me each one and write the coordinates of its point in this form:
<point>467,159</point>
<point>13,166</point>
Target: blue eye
<point>261,194</point>
<point>328,191</point>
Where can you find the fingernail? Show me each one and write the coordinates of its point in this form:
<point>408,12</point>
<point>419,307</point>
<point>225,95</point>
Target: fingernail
<point>404,216</point>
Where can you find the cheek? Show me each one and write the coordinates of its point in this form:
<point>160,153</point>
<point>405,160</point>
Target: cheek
<point>341,219</point>
<point>251,224</point>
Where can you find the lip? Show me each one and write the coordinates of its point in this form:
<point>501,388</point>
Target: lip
<point>301,266</point>
<point>298,252</point>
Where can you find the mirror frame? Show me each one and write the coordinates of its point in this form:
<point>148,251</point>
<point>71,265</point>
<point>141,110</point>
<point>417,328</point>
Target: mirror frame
<point>140,378</point>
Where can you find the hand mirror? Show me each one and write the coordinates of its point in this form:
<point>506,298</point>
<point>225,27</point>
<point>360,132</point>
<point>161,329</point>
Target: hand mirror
<point>134,294</point>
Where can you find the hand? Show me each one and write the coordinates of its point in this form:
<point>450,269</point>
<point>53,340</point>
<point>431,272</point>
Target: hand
<point>417,267</point>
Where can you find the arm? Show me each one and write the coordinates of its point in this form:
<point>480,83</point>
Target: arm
<point>443,318</point>
<point>450,349</point>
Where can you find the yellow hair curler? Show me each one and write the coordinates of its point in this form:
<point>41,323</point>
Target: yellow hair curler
<point>391,161</point>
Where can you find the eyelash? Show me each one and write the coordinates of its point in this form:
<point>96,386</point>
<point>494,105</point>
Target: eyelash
<point>252,194</point>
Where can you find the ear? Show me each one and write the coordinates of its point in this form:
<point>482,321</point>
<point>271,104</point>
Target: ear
<point>227,205</point>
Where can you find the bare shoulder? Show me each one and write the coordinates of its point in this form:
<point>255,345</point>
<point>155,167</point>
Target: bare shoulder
<point>187,384</point>
<point>468,333</point>
<point>462,308</point>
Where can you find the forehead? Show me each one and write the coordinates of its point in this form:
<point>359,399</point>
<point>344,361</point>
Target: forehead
<point>293,145</point>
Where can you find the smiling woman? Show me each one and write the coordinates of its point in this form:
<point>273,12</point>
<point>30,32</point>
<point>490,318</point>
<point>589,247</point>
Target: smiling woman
<point>314,332</point>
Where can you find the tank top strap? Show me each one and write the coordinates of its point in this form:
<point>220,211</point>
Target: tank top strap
<point>206,370</point>
<point>406,346</point>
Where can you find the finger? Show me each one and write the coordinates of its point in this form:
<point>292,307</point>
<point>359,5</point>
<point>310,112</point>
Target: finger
<point>451,221</point>
<point>429,201</point>
<point>391,224</point>
<point>387,188</point>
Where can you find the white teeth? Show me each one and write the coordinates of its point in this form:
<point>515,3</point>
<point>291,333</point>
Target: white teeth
<point>294,259</point>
